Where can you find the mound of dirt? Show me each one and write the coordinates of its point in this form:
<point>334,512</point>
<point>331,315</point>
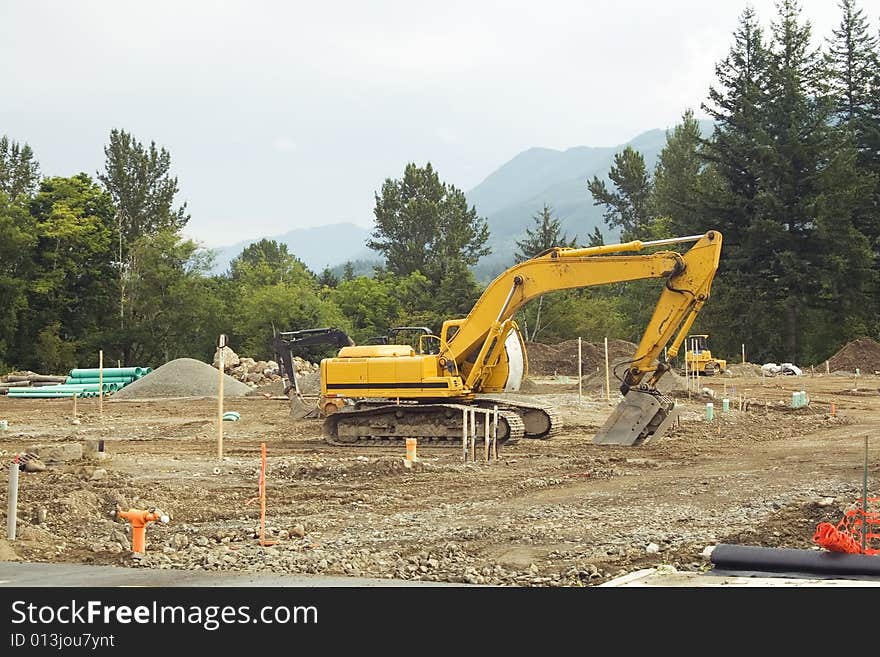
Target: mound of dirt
<point>562,358</point>
<point>863,353</point>
<point>744,369</point>
<point>183,377</point>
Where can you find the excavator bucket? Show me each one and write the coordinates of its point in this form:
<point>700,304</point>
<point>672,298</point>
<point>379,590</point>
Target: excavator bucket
<point>300,408</point>
<point>640,417</point>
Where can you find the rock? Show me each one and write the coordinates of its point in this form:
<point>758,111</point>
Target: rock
<point>707,552</point>
<point>179,541</point>
<point>825,501</point>
<point>652,548</point>
<point>34,465</point>
<point>533,569</point>
<point>98,475</point>
<point>298,530</point>
<point>57,453</point>
<point>42,513</point>
<point>230,359</point>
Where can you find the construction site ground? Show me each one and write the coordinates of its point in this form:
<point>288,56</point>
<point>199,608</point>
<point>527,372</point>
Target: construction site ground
<point>557,512</point>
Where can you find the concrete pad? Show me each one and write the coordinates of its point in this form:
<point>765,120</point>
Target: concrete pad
<point>669,577</point>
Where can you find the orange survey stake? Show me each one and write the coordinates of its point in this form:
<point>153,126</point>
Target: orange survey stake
<point>139,519</point>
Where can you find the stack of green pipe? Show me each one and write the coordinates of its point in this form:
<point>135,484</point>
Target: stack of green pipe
<point>87,382</point>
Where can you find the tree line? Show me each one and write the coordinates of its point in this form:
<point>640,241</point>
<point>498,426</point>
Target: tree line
<point>790,176</point>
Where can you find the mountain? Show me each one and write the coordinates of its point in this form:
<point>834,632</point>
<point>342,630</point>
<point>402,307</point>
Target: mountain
<point>318,247</point>
<point>510,197</point>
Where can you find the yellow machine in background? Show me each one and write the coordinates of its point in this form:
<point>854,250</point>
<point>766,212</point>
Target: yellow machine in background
<point>398,391</point>
<point>700,359</point>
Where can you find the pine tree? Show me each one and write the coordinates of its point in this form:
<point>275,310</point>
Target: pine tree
<point>853,69</point>
<point>627,207</point>
<point>19,169</point>
<point>737,105</point>
<point>546,234</point>
<point>677,176</point>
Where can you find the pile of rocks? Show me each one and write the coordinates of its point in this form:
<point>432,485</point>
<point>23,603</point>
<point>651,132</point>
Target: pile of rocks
<point>258,373</point>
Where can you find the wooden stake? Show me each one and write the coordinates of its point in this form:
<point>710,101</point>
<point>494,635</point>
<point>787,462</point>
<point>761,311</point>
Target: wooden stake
<point>473,435</point>
<point>222,343</point>
<point>580,371</point>
<point>464,434</point>
<point>865,499</point>
<point>263,540</point>
<point>607,373</point>
<point>486,439</point>
<point>687,378</point>
<point>101,384</point>
<point>744,352</point>
<point>495,434</point>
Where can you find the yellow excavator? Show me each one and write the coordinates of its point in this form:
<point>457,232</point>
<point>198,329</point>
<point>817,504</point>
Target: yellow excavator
<point>398,391</point>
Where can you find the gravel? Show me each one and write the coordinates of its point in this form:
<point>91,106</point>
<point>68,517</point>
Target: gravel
<point>183,377</point>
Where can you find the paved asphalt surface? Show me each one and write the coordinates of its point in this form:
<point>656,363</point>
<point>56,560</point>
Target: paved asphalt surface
<point>76,575</point>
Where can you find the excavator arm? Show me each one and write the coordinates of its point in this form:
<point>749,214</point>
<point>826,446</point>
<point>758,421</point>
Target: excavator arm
<point>473,345</point>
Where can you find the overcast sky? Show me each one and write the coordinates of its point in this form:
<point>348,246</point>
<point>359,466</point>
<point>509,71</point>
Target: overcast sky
<point>281,115</point>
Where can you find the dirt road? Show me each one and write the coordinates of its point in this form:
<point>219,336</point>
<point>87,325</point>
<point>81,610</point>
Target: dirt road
<point>561,512</point>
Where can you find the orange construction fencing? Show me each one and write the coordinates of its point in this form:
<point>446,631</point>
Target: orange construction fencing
<point>846,535</point>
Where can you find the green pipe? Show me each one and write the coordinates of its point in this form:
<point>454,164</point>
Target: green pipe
<point>107,379</point>
<point>56,395</point>
<point>89,387</point>
<point>110,371</point>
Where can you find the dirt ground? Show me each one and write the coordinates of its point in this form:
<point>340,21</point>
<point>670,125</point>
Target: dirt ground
<point>559,512</point>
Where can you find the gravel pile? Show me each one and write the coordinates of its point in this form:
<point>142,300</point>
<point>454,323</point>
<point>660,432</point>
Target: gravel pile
<point>183,377</point>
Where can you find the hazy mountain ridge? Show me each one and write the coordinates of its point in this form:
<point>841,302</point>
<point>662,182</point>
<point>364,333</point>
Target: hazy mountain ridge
<point>508,198</point>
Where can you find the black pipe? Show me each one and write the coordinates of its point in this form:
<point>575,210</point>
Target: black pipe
<point>749,557</point>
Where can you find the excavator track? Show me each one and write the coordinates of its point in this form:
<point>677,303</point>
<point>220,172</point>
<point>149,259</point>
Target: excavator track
<point>435,425</point>
<point>540,420</point>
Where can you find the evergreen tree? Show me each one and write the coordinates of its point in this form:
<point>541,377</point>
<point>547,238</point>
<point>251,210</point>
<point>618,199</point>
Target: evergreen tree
<point>853,69</point>
<point>737,105</point>
<point>327,278</point>
<point>596,238</point>
<point>19,169</point>
<point>627,207</point>
<point>797,122</point>
<point>851,59</point>
<point>546,234</point>
<point>677,177</point>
